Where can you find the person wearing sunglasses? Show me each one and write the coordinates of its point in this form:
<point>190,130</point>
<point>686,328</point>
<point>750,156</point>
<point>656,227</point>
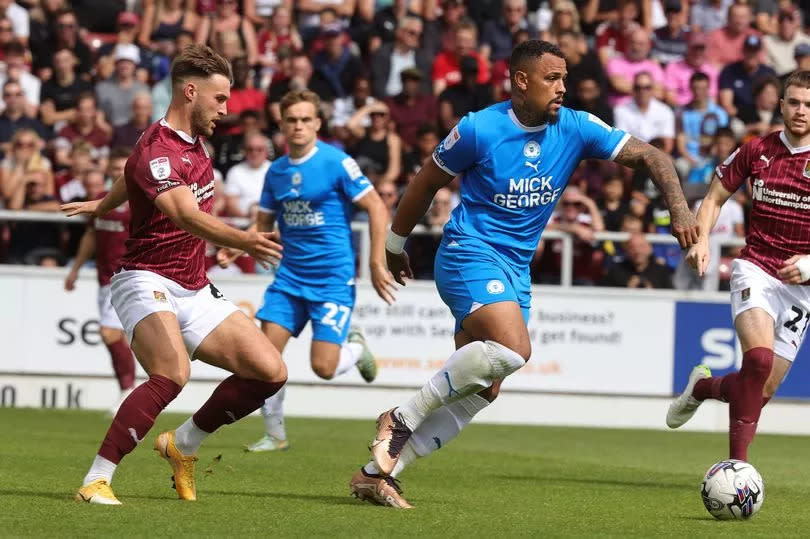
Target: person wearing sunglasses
<point>645,117</point>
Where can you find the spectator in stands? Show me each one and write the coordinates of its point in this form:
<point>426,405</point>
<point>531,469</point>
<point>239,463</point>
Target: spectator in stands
<point>670,41</point>
<point>18,16</point>
<point>613,37</point>
<point>387,21</point>
<point>127,34</point>
<point>65,36</point>
<point>337,65</point>
<point>723,144</point>
<point>677,75</point>
<point>697,124</point>
<point>311,15</point>
<point>302,77</point>
<point>17,70</point>
<point>412,108</point>
<point>496,34</point>
<point>802,56</point>
<point>612,204</point>
<point>426,142</point>
<point>588,97</point>
<point>779,47</point>
<point>116,163</point>
<point>257,11</point>
<point>378,143</point>
<point>24,156</point>
<point>115,95</point>
<point>244,181</point>
<point>639,269</point>
<point>230,148</point>
<point>446,71</point>
<point>129,133</point>
<point>6,36</point>
<point>765,116</point>
<point>34,240</point>
<point>60,93</point>
<point>15,118</point>
<point>709,15</point>
<point>162,90</point>
<point>229,33</point>
<point>391,59</point>
<point>69,185</point>
<point>163,20</point>
<point>345,107</point>
<point>645,117</point>
<point>725,45</point>
<point>439,212</point>
<point>390,196</point>
<point>468,96</point>
<point>88,124</point>
<point>42,15</point>
<point>580,65</point>
<point>243,97</point>
<point>277,35</point>
<point>737,79</point>
<point>622,70</point>
<point>440,34</point>
<point>564,18</point>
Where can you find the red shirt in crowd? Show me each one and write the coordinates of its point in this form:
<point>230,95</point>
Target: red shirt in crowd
<point>446,67</point>
<point>162,160</point>
<point>244,99</point>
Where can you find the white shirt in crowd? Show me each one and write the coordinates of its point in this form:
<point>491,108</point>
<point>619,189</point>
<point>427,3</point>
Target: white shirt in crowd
<point>657,121</point>
<point>20,23</point>
<point>245,182</point>
<point>344,109</point>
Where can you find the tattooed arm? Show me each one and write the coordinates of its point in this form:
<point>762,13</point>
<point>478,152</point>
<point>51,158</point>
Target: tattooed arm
<point>640,155</point>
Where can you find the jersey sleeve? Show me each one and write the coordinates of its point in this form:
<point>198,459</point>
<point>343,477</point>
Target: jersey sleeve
<point>267,201</point>
<point>458,151</point>
<point>737,167</point>
<point>353,182</point>
<point>158,170</point>
<point>599,140</point>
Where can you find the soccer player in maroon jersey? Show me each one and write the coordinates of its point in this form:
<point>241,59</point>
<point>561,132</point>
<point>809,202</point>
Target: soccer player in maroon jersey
<point>770,299</point>
<point>169,309</point>
<point>106,236</point>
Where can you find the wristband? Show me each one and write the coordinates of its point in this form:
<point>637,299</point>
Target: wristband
<point>803,265</point>
<point>395,243</point>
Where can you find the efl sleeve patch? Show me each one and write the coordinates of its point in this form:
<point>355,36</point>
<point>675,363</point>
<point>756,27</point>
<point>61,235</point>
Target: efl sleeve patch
<point>352,168</point>
<point>161,168</point>
<point>452,137</point>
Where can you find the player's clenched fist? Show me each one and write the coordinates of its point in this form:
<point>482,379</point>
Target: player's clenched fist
<point>399,266</point>
<point>684,226</point>
<point>263,247</point>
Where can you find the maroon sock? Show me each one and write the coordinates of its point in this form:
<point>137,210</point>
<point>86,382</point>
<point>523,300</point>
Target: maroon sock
<point>136,416</point>
<point>745,400</point>
<point>232,400</point>
<point>123,363</point>
<point>715,387</point>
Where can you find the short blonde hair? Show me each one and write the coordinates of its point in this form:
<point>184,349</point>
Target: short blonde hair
<point>294,97</point>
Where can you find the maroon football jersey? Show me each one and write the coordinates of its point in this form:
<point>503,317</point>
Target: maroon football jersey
<point>164,159</point>
<point>112,232</point>
<point>780,182</point>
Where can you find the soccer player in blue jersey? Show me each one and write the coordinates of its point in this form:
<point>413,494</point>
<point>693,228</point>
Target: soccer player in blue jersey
<point>311,192</point>
<point>514,158</point>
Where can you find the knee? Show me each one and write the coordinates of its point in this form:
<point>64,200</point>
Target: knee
<point>323,369</point>
<point>110,335</point>
<point>520,346</point>
<point>272,369</point>
<point>179,374</point>
<point>758,362</point>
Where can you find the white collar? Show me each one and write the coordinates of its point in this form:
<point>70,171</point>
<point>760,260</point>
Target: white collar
<point>304,158</point>
<point>182,134</point>
<point>531,129</point>
<point>790,147</point>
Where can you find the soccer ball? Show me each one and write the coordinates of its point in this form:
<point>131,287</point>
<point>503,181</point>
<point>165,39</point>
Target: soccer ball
<point>732,489</point>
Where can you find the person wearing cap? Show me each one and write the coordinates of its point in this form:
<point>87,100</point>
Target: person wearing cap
<point>115,95</point>
<point>802,56</point>
<point>390,59</point>
<point>724,45</point>
<point>737,79</point>
<point>669,42</point>
<point>677,75</point>
<point>467,96</point>
<point>779,48</point>
<point>413,107</point>
<point>127,25</point>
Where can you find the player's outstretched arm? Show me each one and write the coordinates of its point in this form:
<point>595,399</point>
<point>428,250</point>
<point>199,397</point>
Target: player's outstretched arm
<point>698,255</point>
<point>87,246</point>
<point>381,278</point>
<point>114,198</point>
<point>412,207</point>
<point>180,205</point>
<point>638,154</point>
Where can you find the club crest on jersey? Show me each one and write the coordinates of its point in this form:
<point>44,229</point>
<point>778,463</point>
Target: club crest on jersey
<point>806,171</point>
<point>531,150</point>
<point>160,296</point>
<point>160,167</point>
<point>495,287</point>
<point>745,294</point>
<point>296,178</point>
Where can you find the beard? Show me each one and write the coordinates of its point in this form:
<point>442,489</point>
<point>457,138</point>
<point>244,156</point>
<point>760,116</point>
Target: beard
<point>200,124</point>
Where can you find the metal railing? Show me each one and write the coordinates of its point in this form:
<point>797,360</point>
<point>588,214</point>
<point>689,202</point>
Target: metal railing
<point>364,247</point>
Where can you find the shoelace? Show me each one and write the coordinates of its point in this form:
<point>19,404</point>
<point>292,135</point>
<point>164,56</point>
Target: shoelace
<point>399,435</point>
<point>393,483</point>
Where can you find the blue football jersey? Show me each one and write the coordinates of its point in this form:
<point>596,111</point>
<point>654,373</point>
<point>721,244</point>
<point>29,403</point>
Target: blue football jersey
<point>513,175</point>
<point>312,199</point>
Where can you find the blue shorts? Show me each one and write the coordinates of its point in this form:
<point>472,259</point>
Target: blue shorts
<point>469,278</point>
<point>330,319</point>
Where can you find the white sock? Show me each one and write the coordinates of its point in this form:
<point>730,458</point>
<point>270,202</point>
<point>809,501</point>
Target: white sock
<point>350,352</point>
<point>470,369</point>
<point>189,437</point>
<point>273,415</point>
<point>100,469</point>
<point>371,468</point>
<point>438,429</point>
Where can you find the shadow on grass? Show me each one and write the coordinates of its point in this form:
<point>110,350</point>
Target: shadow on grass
<point>595,481</point>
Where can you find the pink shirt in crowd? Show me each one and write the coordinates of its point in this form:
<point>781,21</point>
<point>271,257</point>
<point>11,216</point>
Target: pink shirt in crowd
<point>624,68</point>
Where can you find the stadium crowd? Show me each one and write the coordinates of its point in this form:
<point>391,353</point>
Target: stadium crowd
<point>82,79</point>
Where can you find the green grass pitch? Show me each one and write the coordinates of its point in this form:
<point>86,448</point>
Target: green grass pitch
<point>494,481</point>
